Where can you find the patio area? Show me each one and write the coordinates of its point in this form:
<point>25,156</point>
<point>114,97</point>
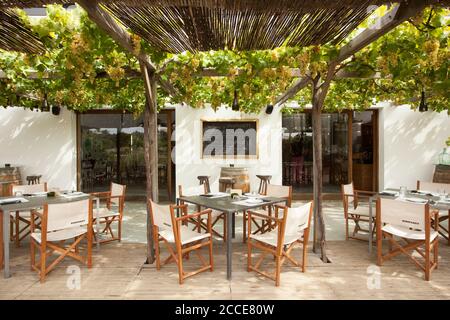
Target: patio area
<point>119,273</point>
<point>199,150</point>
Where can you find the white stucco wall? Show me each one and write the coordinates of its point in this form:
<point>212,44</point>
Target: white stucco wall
<point>40,143</point>
<point>189,163</point>
<point>409,144</point>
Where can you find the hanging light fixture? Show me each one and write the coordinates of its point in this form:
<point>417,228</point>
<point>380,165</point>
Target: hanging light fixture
<point>423,107</point>
<point>235,105</point>
<point>269,108</point>
<point>45,107</point>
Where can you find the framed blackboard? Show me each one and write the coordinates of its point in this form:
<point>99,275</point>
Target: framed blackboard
<point>230,139</point>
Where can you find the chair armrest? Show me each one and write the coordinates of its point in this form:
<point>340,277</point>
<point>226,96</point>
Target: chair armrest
<point>36,213</point>
<point>253,213</point>
<point>193,215</point>
<point>365,192</point>
<point>103,194</point>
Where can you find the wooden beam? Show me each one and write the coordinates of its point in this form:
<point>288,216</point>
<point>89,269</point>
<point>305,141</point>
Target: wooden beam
<point>109,25</point>
<point>397,15</point>
<point>292,91</point>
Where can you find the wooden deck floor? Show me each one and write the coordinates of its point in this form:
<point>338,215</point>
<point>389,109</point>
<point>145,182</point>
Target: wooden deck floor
<point>118,273</point>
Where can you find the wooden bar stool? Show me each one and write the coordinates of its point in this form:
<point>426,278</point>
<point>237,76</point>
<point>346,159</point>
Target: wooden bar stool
<point>205,180</point>
<point>264,181</point>
<point>36,179</point>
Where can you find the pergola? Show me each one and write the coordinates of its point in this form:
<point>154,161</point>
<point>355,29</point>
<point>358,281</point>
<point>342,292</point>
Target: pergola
<point>199,25</point>
<point>15,36</point>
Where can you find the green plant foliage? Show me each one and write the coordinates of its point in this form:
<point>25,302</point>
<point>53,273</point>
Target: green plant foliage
<point>85,69</point>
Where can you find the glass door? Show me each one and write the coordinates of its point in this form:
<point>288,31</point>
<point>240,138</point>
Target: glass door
<point>298,151</point>
<point>112,150</point>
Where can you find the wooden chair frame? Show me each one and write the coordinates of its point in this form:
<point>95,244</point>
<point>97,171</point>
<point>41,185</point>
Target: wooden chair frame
<point>178,252</point>
<point>442,229</point>
<point>108,221</point>
<point>264,225</point>
<point>409,246</point>
<point>357,219</point>
<point>200,224</point>
<point>16,233</point>
<point>281,252</point>
<point>47,248</point>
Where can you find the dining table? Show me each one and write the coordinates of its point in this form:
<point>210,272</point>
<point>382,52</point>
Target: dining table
<point>223,202</point>
<point>29,202</point>
<point>433,199</point>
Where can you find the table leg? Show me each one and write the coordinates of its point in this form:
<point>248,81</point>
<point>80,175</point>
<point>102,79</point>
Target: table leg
<point>233,220</point>
<point>6,272</point>
<point>97,222</point>
<point>370,224</point>
<point>229,244</point>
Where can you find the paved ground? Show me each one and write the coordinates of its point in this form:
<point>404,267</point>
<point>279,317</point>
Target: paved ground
<point>119,273</point>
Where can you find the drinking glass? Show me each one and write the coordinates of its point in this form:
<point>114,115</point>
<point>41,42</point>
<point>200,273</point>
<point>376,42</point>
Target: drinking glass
<point>442,194</point>
<point>402,192</point>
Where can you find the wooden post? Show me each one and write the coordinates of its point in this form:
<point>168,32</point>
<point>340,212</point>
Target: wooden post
<point>151,151</point>
<point>320,90</point>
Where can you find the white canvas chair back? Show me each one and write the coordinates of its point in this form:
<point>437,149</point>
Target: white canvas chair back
<point>277,191</point>
<point>193,190</point>
<point>161,216</point>
<point>402,214</point>
<point>67,215</point>
<point>433,186</point>
<point>349,193</point>
<point>31,188</point>
<point>297,219</point>
<point>117,190</point>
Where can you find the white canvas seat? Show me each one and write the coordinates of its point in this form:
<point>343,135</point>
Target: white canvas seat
<point>407,227</point>
<point>186,235</point>
<point>59,223</point>
<point>361,210</point>
<point>290,228</point>
<point>271,238</point>
<point>60,234</point>
<point>443,215</point>
<point>262,225</point>
<point>105,212</point>
<point>408,233</point>
<point>179,239</point>
<point>20,220</point>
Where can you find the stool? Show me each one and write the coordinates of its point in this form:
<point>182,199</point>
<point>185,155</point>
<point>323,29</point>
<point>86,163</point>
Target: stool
<point>225,183</point>
<point>34,179</point>
<point>264,181</point>
<point>205,180</point>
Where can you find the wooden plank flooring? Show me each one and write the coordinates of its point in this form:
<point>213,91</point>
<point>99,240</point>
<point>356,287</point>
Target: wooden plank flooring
<point>119,273</point>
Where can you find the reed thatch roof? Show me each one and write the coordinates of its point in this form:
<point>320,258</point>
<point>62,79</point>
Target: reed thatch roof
<point>15,36</point>
<point>201,25</point>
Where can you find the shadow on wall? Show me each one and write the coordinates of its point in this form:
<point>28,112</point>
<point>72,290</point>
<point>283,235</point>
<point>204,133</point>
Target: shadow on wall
<point>412,140</point>
<point>40,143</point>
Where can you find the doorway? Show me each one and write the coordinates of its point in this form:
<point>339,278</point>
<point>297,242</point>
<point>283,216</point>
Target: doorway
<point>111,149</point>
<point>349,142</point>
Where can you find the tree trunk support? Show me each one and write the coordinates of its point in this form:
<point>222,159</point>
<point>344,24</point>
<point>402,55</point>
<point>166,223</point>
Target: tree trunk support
<point>151,151</point>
